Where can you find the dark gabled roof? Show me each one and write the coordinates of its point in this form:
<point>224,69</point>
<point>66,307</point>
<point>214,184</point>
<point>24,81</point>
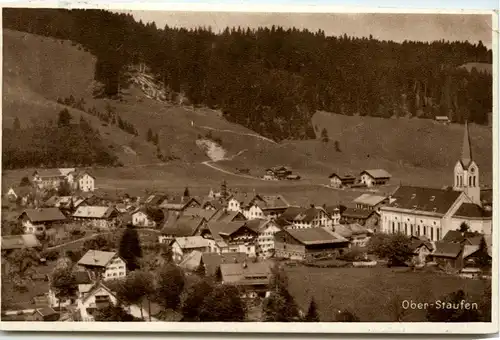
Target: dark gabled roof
<point>357,213</point>
<point>308,215</point>
<point>471,210</point>
<point>332,209</point>
<point>447,249</point>
<point>259,225</point>
<point>424,199</point>
<point>48,173</point>
<point>154,214</point>
<point>200,212</point>
<point>456,236</point>
<point>227,216</point>
<point>212,261</point>
<point>417,243</point>
<point>20,241</point>
<point>377,173</point>
<point>272,202</point>
<point>291,212</point>
<point>247,272</point>
<point>182,226</point>
<point>82,277</point>
<point>45,311</point>
<point>343,177</point>
<point>216,203</point>
<point>155,199</point>
<point>312,236</point>
<point>44,215</point>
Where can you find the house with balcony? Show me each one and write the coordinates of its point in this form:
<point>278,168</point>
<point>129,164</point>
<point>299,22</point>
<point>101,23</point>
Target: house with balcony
<point>105,265</point>
<point>37,221</point>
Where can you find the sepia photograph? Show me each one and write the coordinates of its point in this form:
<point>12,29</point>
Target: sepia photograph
<point>194,168</point>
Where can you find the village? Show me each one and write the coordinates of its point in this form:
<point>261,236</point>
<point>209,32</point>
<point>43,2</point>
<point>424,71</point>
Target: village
<point>235,237</point>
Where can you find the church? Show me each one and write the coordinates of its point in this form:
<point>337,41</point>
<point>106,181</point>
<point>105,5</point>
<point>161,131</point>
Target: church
<point>430,212</point>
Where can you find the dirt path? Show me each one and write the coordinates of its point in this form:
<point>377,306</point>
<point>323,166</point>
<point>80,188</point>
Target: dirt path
<point>211,165</point>
<point>239,133</point>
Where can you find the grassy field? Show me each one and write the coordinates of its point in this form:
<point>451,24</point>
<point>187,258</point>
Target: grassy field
<point>371,293</point>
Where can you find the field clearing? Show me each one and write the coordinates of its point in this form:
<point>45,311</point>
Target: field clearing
<point>372,293</point>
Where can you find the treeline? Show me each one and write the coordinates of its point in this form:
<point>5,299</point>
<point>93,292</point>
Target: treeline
<point>109,116</point>
<point>272,80</point>
<point>64,144</point>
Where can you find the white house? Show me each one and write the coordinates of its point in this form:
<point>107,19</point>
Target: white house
<point>86,182</point>
<point>182,246</point>
<point>48,178</point>
<point>147,217</point>
<point>36,221</point>
<point>374,177</point>
<point>98,216</point>
<point>265,240</point>
<point>105,264</point>
<point>84,284</point>
<point>302,218</point>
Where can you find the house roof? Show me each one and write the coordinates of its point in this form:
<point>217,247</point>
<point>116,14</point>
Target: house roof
<point>349,230</point>
<point>417,243</point>
<point>225,228</point>
<point>258,225</point>
<point>299,214</point>
<point>343,177</point>
<point>154,214</point>
<point>216,203</point>
<point>470,249</point>
<point>93,212</point>
<point>192,260</point>
<point>377,173</point>
<point>191,242</point>
<point>45,311</point>
<point>311,236</point>
<point>273,202</point>
<point>80,173</point>
<point>20,241</point>
<point>212,261</point>
<point>177,202</point>
<point>23,191</point>
<point>357,213</point>
<point>182,226</point>
<point>206,214</point>
<point>424,199</point>
<point>227,216</point>
<point>66,171</point>
<point>155,199</point>
<point>369,199</point>
<point>98,285</point>
<point>44,215</point>
<point>291,212</point>
<point>65,201</point>
<point>48,173</point>
<point>82,277</point>
<point>97,258</point>
<point>243,198</point>
<point>249,272</point>
<point>447,249</point>
<point>456,236</point>
<point>471,210</point>
<point>334,209</point>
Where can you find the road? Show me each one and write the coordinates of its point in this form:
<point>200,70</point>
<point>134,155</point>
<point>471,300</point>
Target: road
<point>238,133</point>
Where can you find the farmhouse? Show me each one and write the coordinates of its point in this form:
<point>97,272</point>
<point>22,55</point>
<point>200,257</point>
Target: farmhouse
<point>36,221</point>
<point>97,216</point>
<point>155,199</point>
<point>224,215</point>
<point>200,212</point>
<point>301,244</point>
<point>22,194</point>
<point>48,178</point>
<point>231,237</point>
<point>103,264</point>
<point>11,242</point>
<point>44,314</point>
<point>301,218</point>
<point>147,217</point>
<point>341,181</point>
<point>266,230</point>
<point>179,203</point>
<point>251,277</point>
<point>447,254</point>
<point>212,261</point>
<point>80,180</point>
<point>421,248</point>
<point>368,218</point>
<point>84,284</point>
<point>356,234</point>
<point>374,177</point>
<point>182,226</point>
<point>183,246</point>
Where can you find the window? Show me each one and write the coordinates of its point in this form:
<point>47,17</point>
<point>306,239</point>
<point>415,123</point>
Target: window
<point>438,234</point>
<point>474,181</point>
<point>432,234</point>
<point>470,181</point>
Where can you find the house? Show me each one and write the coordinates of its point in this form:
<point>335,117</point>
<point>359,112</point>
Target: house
<point>11,242</point>
<point>182,246</point>
<point>48,178</point>
<point>22,194</point>
<point>367,218</point>
<point>357,235</point>
<point>374,177</point>
<point>179,203</point>
<point>84,284</point>
<point>224,215</point>
<point>252,278</point>
<point>200,212</point>
<point>443,119</point>
<point>155,199</point>
<point>268,206</point>
<point>236,202</point>
<point>279,172</point>
<point>213,204</point>
<point>447,254</point>
<point>147,217</point>
<point>341,181</point>
<point>182,226</point>
<point>229,237</point>
<point>421,248</point>
<point>212,261</point>
<point>265,229</point>
<point>335,212</point>
<point>97,216</point>
<point>469,238</point>
<point>44,314</point>
<point>302,244</point>
<point>103,264</point>
<point>300,218</point>
<point>191,261</point>
<point>36,221</point>
<point>81,180</point>
<point>370,202</point>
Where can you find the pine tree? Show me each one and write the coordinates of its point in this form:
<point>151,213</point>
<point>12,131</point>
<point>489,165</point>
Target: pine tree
<point>64,118</point>
<point>150,135</point>
<point>186,192</point>
<point>130,248</point>
<point>324,136</point>
<point>223,190</point>
<point>312,313</point>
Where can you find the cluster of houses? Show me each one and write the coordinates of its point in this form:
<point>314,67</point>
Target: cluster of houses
<point>279,173</point>
<point>233,235</point>
<point>367,178</point>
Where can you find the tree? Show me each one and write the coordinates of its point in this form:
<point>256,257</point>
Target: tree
<point>186,192</point>
<point>137,286</point>
<point>170,286</point>
<point>64,189</point>
<point>464,227</point>
<point>223,304</point>
<point>64,118</point>
<point>150,135</point>
<point>97,243</point>
<point>453,308</point>
<point>21,262</point>
<point>64,284</point>
<point>223,190</point>
<point>16,229</point>
<point>280,306</point>
<point>394,247</point>
<point>17,124</point>
<point>130,248</point>
<point>114,313</point>
<point>155,139</point>
<point>25,182</point>
<point>194,297</point>
<point>312,312</point>
<point>324,136</point>
<point>201,270</point>
<point>337,146</point>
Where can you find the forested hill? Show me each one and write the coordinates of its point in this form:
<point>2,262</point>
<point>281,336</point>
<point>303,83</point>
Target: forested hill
<point>273,80</point>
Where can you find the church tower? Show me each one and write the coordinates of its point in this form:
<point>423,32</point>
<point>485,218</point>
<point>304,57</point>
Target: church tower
<point>466,171</point>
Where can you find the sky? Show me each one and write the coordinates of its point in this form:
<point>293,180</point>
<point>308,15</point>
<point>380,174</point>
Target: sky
<point>393,26</point>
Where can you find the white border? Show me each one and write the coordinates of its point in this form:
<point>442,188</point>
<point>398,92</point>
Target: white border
<point>315,328</point>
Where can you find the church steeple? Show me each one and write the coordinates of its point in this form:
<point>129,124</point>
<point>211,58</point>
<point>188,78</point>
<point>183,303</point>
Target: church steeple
<point>466,158</point>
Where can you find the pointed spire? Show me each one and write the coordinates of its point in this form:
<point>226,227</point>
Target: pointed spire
<point>466,148</point>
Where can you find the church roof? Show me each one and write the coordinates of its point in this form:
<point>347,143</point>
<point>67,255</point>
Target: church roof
<point>471,210</point>
<point>466,157</point>
<point>424,199</point>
